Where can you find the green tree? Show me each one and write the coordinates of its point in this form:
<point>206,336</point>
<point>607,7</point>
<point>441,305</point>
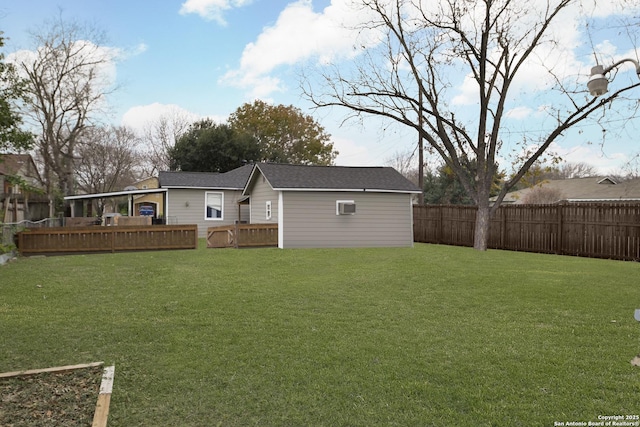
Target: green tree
<point>284,133</point>
<point>211,147</point>
<point>444,187</point>
<point>11,90</point>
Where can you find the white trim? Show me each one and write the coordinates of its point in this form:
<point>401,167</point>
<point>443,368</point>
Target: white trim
<point>280,220</point>
<point>116,194</point>
<point>248,183</point>
<point>610,200</point>
<point>267,210</point>
<point>353,190</point>
<point>206,194</point>
<point>411,221</point>
<point>187,187</point>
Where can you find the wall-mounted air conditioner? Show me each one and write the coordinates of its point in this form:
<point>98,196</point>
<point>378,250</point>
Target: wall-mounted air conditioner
<point>346,207</point>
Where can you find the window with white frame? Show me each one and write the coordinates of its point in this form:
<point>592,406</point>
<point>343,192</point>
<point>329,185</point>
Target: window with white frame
<point>268,210</point>
<point>213,205</point>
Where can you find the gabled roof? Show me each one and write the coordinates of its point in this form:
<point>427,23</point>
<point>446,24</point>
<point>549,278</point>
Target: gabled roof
<point>14,164</point>
<point>232,180</point>
<point>333,178</point>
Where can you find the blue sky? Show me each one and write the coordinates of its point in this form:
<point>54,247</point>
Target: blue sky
<point>208,57</point>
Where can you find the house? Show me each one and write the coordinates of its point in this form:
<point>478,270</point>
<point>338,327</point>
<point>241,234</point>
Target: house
<point>579,190</point>
<point>148,204</point>
<point>204,198</point>
<point>332,206</point>
<point>313,206</point>
<point>19,189</point>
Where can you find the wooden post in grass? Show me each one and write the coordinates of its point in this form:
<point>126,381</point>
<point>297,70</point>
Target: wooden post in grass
<point>104,398</point>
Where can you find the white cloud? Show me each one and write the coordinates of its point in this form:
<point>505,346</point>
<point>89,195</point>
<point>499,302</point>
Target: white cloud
<point>352,154</point>
<point>298,35</point>
<point>141,116</point>
<point>518,113</point>
<point>605,161</point>
<point>212,10</point>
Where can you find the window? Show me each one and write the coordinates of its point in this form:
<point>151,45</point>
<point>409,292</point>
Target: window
<point>213,205</point>
<point>268,209</point>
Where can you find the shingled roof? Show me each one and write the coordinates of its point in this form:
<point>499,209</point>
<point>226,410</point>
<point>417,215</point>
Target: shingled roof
<point>591,189</point>
<point>232,180</point>
<point>342,178</point>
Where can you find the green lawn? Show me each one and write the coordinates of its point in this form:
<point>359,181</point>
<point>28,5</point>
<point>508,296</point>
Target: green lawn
<point>428,336</point>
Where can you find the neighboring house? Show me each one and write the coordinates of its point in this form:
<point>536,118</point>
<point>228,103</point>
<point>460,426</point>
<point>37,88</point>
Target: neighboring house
<point>148,204</point>
<point>19,178</point>
<point>332,206</point>
<point>582,190</point>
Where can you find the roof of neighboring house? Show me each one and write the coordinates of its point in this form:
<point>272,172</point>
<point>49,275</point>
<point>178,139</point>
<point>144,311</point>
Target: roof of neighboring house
<point>334,178</point>
<point>21,165</point>
<point>591,189</point>
<point>11,164</point>
<point>232,180</point>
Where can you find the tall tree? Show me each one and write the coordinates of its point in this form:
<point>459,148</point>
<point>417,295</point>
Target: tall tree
<point>12,137</point>
<point>67,79</point>
<point>427,49</point>
<point>160,136</point>
<point>107,159</point>
<point>284,133</point>
<point>211,147</point>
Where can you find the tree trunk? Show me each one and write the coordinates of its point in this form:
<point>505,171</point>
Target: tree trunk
<point>481,234</point>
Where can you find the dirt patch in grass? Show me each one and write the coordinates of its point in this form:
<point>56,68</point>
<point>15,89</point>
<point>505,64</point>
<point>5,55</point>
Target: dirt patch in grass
<point>52,399</point>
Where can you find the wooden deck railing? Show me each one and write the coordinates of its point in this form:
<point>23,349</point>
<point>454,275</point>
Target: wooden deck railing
<point>242,235</point>
<point>107,239</point>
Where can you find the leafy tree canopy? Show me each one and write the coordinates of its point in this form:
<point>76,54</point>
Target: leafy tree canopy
<point>210,147</point>
<point>11,90</point>
<point>284,133</point>
<point>443,187</point>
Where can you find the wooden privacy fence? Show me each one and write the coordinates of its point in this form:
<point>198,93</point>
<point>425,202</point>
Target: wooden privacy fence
<point>590,230</point>
<point>107,239</point>
<point>242,235</point>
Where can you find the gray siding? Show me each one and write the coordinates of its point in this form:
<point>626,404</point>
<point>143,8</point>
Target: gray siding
<point>194,213</point>
<point>261,192</point>
<point>381,219</point>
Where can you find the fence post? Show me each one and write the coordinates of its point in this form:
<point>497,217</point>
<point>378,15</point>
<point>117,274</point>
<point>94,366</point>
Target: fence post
<point>503,225</point>
<point>237,237</point>
<point>440,224</point>
<point>560,241</point>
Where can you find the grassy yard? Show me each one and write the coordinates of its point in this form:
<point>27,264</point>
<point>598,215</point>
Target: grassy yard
<point>429,336</point>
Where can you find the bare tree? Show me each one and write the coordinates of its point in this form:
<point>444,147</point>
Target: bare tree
<point>68,76</point>
<point>159,137</point>
<point>576,170</point>
<point>426,46</point>
<point>108,160</point>
<point>405,163</point>
<point>542,195</point>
